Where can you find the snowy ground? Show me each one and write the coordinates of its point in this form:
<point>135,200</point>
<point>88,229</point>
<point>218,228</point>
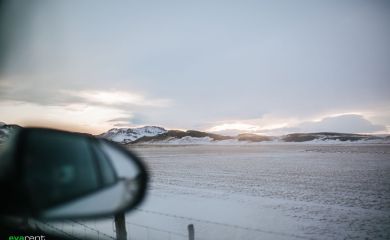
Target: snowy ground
<point>272,191</point>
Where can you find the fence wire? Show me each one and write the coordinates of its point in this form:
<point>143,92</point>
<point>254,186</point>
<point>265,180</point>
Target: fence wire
<point>232,226</point>
<point>72,229</point>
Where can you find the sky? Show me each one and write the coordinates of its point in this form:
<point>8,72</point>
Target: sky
<point>266,67</point>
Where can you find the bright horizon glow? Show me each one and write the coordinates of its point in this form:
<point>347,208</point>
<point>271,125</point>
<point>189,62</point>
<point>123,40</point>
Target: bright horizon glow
<point>74,117</point>
<point>234,126</point>
<point>279,126</point>
<point>118,97</point>
<point>243,127</point>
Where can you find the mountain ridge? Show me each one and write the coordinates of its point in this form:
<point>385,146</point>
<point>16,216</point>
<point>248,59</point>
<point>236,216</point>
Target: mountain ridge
<point>201,137</point>
<point>160,135</point>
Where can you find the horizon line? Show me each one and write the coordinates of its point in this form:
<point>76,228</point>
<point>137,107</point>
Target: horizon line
<point>185,130</point>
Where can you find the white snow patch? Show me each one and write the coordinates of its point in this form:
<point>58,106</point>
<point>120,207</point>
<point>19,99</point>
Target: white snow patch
<point>127,135</point>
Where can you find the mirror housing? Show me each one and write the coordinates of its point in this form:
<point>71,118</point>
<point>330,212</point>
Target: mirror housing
<point>52,174</point>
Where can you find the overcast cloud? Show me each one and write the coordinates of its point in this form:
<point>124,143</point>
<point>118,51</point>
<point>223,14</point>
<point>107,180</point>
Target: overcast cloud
<point>259,66</point>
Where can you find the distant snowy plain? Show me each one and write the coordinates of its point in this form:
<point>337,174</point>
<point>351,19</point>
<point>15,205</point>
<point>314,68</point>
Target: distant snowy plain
<point>269,191</point>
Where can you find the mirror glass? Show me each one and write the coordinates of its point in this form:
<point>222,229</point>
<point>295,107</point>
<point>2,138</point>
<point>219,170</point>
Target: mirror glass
<point>57,167</point>
<point>120,161</point>
<point>70,175</point>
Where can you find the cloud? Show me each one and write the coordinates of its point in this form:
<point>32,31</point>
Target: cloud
<point>52,95</point>
<point>118,98</point>
<point>350,123</point>
<point>120,119</point>
<point>234,126</point>
<point>346,123</point>
<point>108,107</point>
<point>129,121</point>
<point>35,93</point>
<point>85,118</point>
<point>122,125</point>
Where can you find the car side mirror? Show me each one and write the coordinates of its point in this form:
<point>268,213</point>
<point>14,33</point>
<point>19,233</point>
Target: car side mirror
<point>63,175</point>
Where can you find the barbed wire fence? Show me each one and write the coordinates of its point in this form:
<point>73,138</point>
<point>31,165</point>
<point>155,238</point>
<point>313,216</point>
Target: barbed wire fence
<point>71,229</point>
<point>204,229</point>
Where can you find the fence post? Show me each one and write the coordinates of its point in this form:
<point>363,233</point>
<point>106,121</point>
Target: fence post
<point>191,232</point>
<point>120,226</point>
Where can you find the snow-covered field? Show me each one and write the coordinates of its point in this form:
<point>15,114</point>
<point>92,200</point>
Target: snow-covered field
<point>270,191</point>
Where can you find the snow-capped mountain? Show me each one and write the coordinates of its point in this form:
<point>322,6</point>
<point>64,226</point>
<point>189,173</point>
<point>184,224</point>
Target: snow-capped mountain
<point>127,135</point>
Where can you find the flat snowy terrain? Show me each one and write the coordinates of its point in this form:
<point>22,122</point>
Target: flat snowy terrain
<point>272,191</point>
